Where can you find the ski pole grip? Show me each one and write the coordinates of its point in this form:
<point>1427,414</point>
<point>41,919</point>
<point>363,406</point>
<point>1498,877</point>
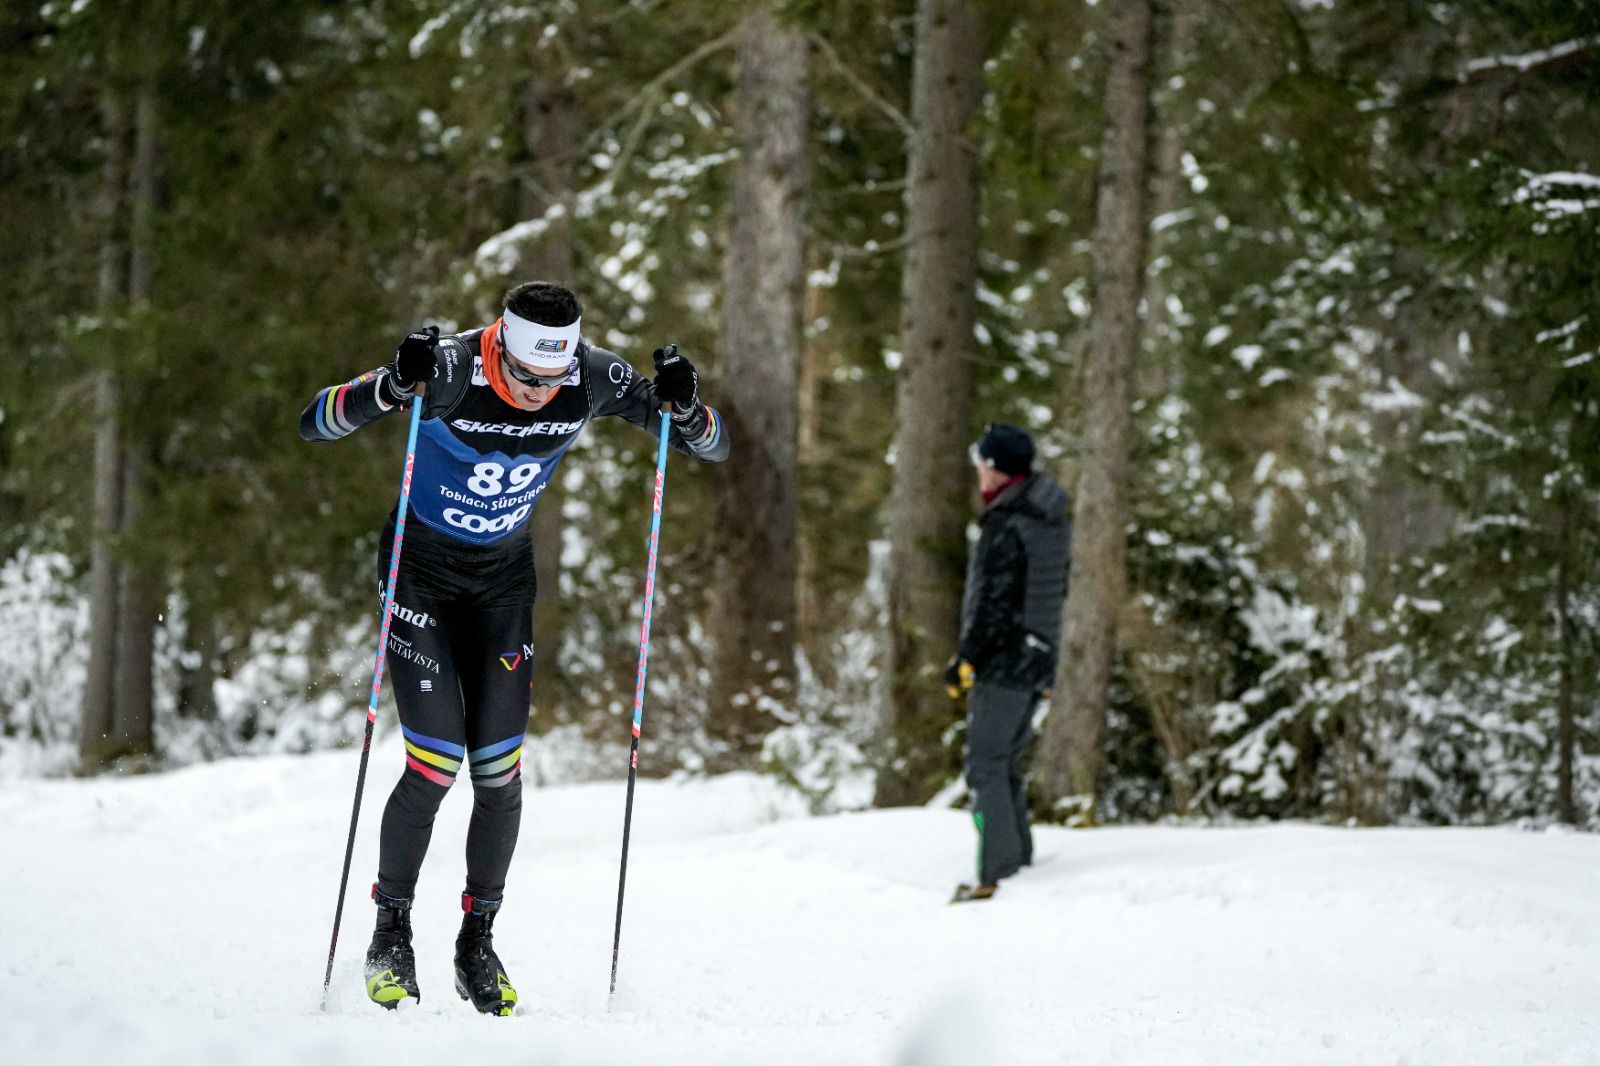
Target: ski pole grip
<point>666,353</point>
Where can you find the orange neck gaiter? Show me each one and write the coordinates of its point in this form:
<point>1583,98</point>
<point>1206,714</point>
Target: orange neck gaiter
<point>489,348</point>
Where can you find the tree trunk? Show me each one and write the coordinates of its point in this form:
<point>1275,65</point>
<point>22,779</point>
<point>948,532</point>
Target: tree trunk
<point>1404,516</point>
<point>551,130</point>
<point>1073,749</point>
<point>1170,191</point>
<point>1173,715</point>
<point>753,629</point>
<point>1566,720</point>
<point>931,498</point>
<point>197,698</point>
<point>104,570</point>
<point>139,605</point>
<point>809,608</point>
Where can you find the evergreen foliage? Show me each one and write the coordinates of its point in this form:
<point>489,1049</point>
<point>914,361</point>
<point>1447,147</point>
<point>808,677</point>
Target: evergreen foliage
<point>1365,486</point>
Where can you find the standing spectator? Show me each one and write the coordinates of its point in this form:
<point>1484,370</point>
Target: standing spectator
<point>1010,631</point>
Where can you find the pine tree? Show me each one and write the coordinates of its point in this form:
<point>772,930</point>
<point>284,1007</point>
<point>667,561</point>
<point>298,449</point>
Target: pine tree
<point>927,512</point>
<point>1073,750</point>
<point>754,627</point>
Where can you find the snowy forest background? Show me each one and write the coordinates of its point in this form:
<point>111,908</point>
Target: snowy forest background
<point>1298,297</point>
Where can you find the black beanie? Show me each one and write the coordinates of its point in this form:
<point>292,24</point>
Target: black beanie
<point>1007,449</point>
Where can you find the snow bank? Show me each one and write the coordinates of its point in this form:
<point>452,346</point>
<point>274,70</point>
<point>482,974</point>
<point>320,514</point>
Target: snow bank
<point>184,918</point>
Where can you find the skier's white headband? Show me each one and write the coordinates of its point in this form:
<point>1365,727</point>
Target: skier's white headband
<point>547,349</point>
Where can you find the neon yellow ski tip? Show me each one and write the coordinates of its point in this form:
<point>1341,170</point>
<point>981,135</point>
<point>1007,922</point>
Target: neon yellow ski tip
<point>383,990</point>
<point>508,996</point>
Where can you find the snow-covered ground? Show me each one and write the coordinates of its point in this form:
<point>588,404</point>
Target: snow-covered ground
<point>184,918</point>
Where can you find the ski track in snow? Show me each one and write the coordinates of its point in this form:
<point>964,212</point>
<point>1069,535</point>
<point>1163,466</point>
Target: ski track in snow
<point>184,918</point>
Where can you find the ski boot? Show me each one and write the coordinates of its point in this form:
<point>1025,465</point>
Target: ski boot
<point>479,975</point>
<point>391,968</point>
<point>974,893</point>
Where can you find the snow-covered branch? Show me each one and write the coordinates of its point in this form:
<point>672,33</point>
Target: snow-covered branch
<point>1527,61</point>
<point>1538,188</point>
<point>499,254</point>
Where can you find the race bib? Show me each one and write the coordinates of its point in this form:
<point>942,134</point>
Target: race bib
<point>476,497</point>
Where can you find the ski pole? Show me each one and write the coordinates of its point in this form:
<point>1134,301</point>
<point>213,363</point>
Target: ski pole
<point>377,675</point>
<point>638,688</point>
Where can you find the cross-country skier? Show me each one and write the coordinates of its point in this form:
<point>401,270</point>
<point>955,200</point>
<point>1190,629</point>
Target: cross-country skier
<point>1010,628</point>
<point>502,405</point>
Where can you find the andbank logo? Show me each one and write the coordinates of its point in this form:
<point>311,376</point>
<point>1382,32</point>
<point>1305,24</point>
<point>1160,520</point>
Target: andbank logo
<point>420,619</point>
<point>513,659</point>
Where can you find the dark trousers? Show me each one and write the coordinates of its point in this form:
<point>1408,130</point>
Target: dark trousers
<point>999,727</point>
<point>459,656</point>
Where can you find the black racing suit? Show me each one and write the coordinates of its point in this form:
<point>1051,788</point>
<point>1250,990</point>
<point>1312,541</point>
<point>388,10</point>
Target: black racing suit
<point>1010,631</point>
<point>460,643</point>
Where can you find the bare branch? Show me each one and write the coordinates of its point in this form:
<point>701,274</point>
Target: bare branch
<point>871,250</point>
<point>651,89</point>
<point>859,85</point>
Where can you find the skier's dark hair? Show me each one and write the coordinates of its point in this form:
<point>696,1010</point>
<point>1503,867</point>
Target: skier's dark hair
<point>545,303</point>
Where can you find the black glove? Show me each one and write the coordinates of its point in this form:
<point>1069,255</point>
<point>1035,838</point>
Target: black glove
<point>415,360</point>
<point>1037,666</point>
<point>958,677</point>
<point>676,382</point>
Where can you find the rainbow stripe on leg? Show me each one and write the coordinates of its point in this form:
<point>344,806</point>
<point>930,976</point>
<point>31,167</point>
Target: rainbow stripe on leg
<point>437,760</point>
<point>497,764</point>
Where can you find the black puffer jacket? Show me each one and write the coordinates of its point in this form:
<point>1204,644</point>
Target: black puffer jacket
<point>1016,585</point>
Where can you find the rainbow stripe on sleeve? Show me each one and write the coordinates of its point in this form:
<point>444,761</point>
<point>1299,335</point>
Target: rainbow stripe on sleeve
<point>713,432</point>
<point>332,422</point>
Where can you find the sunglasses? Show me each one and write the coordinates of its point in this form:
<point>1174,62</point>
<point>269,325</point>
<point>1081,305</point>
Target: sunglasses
<point>536,381</point>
